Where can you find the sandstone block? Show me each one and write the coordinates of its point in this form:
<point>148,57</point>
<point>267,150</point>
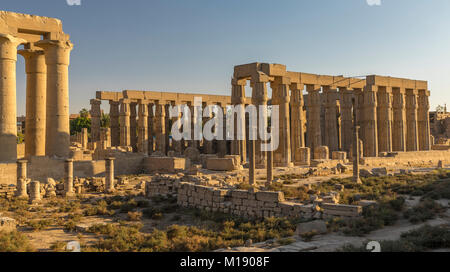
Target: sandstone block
<point>270,196</point>
<point>317,226</point>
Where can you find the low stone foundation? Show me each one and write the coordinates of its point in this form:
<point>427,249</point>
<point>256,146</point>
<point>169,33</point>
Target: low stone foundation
<point>410,159</point>
<point>246,203</point>
<point>166,164</point>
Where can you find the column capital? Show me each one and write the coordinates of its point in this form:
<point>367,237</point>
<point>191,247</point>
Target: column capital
<point>296,86</point>
<point>282,80</point>
<point>311,88</point>
<point>370,88</point>
<point>412,92</point>
<point>56,51</point>
<point>240,82</point>
<point>34,61</point>
<point>114,102</point>
<point>10,41</point>
<point>259,77</point>
<point>96,102</point>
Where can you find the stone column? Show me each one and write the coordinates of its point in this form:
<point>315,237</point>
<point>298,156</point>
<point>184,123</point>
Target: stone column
<point>167,125</point>
<point>35,192</point>
<point>68,181</point>
<point>36,70</point>
<point>8,119</point>
<point>281,97</point>
<point>133,126</point>
<point>208,145</point>
<point>96,115</point>
<point>269,173</point>
<point>84,138</point>
<point>314,137</point>
<point>151,120</point>
<point>399,123</point>
<point>424,120</point>
<point>297,119</point>
<point>238,147</point>
<point>125,123</point>
<point>143,128</point>
<point>260,98</point>
<point>57,58</point>
<point>105,138</point>
<point>109,179</point>
<point>346,96</point>
<point>114,114</point>
<point>385,119</point>
<point>222,145</point>
<point>356,155</point>
<point>370,121</point>
<point>21,191</point>
<point>331,121</point>
<point>412,133</point>
<point>251,163</point>
<point>160,127</point>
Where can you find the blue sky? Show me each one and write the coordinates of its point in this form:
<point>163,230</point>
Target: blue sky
<point>192,45</point>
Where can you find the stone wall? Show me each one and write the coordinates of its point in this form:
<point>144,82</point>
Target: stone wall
<point>414,159</point>
<point>7,191</point>
<point>8,173</point>
<point>246,203</point>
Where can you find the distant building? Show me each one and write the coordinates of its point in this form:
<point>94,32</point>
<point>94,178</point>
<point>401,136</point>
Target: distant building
<point>440,124</point>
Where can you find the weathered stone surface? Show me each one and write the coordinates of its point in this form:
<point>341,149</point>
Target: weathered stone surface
<point>169,164</point>
<point>222,164</point>
<point>317,226</point>
<point>270,196</point>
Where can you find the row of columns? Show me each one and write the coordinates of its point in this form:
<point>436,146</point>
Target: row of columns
<point>391,119</point>
<point>47,132</point>
<point>145,126</point>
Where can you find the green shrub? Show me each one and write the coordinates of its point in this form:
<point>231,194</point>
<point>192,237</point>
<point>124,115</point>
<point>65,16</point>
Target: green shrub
<point>14,242</point>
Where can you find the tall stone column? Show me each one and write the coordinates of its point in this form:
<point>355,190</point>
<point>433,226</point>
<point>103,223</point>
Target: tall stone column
<point>167,125</point>
<point>424,120</point>
<point>68,181</point>
<point>208,145</point>
<point>385,119</point>
<point>281,97</point>
<point>222,144</point>
<point>160,127</point>
<point>125,123</point>
<point>297,119</point>
<point>133,126</point>
<point>84,138</point>
<point>143,128</point>
<point>151,121</point>
<point>399,116</point>
<point>331,121</point>
<point>36,70</point>
<point>57,58</point>
<point>260,98</point>
<point>8,119</point>
<point>269,172</point>
<point>238,147</point>
<point>109,179</point>
<point>346,96</point>
<point>105,138</point>
<point>314,134</point>
<point>114,114</point>
<point>412,133</point>
<point>370,121</point>
<point>21,186</point>
<point>251,163</point>
<point>96,115</point>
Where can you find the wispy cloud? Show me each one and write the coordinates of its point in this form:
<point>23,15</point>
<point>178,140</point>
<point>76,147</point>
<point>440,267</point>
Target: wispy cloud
<point>374,2</point>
